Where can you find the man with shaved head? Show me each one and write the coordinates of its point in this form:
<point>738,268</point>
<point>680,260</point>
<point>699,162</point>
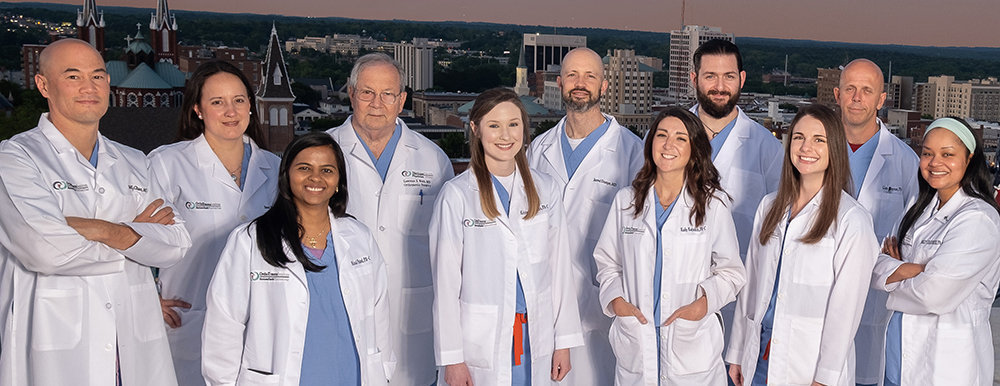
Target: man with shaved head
<point>80,229</point>
<point>592,157</point>
<point>884,171</point>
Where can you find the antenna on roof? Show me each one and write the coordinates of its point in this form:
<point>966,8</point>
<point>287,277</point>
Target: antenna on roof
<point>683,7</point>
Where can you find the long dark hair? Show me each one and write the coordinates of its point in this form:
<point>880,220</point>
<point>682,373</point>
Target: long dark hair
<point>975,183</point>
<point>280,224</point>
<point>700,176</point>
<point>836,179</point>
<point>485,103</point>
<point>190,126</point>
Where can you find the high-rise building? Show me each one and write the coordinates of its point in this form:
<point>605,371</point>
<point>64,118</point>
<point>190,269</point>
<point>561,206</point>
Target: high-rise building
<point>683,44</point>
<point>951,97</point>
<point>630,89</point>
<point>541,50</point>
<point>826,80</point>
<point>275,97</point>
<point>630,84</point>
<point>899,93</point>
<point>90,25</point>
<point>417,59</point>
<point>923,98</point>
<point>163,33</point>
<point>984,104</point>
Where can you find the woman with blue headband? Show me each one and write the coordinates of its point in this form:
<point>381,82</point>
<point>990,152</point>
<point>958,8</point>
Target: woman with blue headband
<point>942,268</point>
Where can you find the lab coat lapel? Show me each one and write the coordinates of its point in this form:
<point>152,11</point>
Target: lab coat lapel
<point>604,145</point>
<point>731,149</point>
<point>552,152</point>
<point>208,161</point>
<point>256,175</point>
<point>405,149</point>
<point>870,186</point>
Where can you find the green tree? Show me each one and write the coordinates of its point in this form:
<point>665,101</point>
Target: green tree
<point>306,94</point>
<point>542,127</point>
<point>454,145</point>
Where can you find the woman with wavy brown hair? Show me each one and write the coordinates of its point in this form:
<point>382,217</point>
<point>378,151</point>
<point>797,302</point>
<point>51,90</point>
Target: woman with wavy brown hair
<point>668,259</point>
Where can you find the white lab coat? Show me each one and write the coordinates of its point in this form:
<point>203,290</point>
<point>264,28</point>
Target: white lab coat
<point>946,308</point>
<point>611,165</point>
<point>397,215</point>
<point>890,185</point>
<point>697,260</point>
<point>476,262</point>
<point>749,165</point>
<point>257,313</point>
<point>67,302</point>
<point>212,205</point>
<point>821,294</point>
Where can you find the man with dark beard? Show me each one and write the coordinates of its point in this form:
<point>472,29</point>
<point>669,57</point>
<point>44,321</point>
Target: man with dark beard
<point>591,156</point>
<point>747,156</point>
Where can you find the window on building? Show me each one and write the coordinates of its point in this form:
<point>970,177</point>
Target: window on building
<point>148,100</point>
<point>133,100</point>
<point>283,116</point>
<point>273,116</point>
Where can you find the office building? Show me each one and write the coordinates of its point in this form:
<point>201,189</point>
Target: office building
<point>683,44</point>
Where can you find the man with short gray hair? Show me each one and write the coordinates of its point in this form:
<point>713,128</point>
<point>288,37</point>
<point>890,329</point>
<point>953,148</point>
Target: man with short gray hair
<point>393,177</point>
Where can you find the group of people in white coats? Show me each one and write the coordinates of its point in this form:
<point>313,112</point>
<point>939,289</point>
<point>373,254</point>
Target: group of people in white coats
<point>588,256</point>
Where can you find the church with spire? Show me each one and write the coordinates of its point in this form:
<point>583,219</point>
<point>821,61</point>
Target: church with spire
<point>153,69</point>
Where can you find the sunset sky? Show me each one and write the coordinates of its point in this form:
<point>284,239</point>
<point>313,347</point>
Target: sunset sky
<point>909,22</point>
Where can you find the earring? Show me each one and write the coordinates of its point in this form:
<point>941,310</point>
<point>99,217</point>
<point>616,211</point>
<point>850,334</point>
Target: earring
<point>251,113</point>
<point>200,117</point>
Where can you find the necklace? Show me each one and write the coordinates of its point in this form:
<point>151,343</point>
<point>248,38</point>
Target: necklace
<point>235,174</point>
<point>311,240</point>
<point>714,133</point>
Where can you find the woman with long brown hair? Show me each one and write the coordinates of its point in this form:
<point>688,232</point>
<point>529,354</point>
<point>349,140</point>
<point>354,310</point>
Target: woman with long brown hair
<point>669,252</point>
<point>809,266</point>
<point>504,310</point>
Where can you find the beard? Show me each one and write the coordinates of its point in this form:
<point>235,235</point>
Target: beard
<point>580,106</point>
<point>714,110</point>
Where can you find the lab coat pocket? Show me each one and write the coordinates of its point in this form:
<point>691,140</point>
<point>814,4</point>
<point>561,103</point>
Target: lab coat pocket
<point>146,313</point>
<point>59,314</point>
<point>814,263</point>
<point>625,337</point>
<point>414,213</point>
<point>417,303</point>
<point>803,348</point>
<point>962,369</point>
<point>479,334</point>
<point>536,231</point>
<point>255,377</point>
<point>376,372</point>
<point>695,346</point>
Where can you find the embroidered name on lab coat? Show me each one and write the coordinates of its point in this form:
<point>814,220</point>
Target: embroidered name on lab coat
<point>540,208</point>
<point>198,205</point>
<point>930,242</point>
<point>65,185</point>
<point>268,276</point>
<point>361,260</point>
<point>478,223</point>
<point>693,229</point>
<point>627,230</point>
<point>137,188</point>
<point>891,189</point>
<point>605,182</point>
<point>417,178</point>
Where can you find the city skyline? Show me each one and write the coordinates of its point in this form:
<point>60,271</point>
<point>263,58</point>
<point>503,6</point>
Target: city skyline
<point>906,22</point>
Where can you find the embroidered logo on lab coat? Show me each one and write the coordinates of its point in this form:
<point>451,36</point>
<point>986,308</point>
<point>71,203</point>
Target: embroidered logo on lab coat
<point>417,178</point>
<point>199,205</point>
<point>268,276</point>
<point>627,230</point>
<point>478,223</point>
<point>65,185</point>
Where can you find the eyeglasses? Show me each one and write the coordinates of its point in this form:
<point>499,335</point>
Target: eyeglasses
<point>369,95</point>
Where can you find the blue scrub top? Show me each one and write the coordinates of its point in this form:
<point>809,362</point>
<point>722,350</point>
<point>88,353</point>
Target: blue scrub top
<point>330,352</point>
<point>860,160</point>
<point>573,157</point>
<point>245,164</point>
<point>93,155</point>
<point>720,138</point>
<point>661,218</point>
<point>520,375</point>
<point>767,322</point>
<point>382,162</point>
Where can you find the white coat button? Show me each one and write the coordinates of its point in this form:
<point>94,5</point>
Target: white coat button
<point>107,305</point>
<point>109,347</point>
<point>100,190</point>
<point>381,228</point>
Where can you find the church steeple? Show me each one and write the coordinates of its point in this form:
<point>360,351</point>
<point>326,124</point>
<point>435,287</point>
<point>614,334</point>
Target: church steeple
<point>275,97</point>
<point>90,25</point>
<point>163,33</point>
<point>521,76</point>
